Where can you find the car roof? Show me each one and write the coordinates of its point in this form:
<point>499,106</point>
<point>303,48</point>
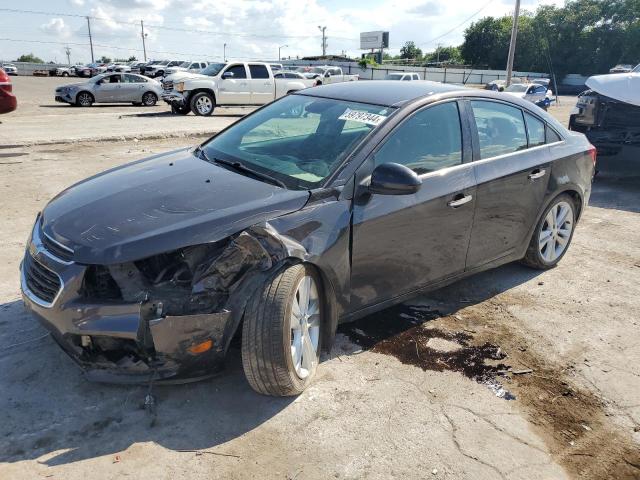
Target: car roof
<point>381,92</point>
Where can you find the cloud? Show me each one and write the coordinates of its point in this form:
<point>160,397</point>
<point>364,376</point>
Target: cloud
<point>77,3</point>
<point>57,27</point>
<point>427,9</point>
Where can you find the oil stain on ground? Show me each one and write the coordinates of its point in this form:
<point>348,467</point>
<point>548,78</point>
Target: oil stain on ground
<point>404,333</point>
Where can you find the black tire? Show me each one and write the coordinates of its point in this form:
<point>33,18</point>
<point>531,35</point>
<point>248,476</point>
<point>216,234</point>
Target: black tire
<point>149,99</point>
<point>534,257</point>
<point>65,74</point>
<point>203,97</point>
<point>84,99</point>
<point>180,109</point>
<point>267,336</point>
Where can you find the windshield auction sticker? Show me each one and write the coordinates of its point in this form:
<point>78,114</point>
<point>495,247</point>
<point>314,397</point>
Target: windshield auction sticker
<point>362,117</point>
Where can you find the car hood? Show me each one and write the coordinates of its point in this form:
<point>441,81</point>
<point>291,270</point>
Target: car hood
<point>71,85</point>
<point>624,87</point>
<point>160,204</point>
<point>517,94</point>
<point>180,76</point>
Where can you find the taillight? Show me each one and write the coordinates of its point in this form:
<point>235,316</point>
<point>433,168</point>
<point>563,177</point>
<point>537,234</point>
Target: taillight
<point>5,81</point>
<point>593,153</point>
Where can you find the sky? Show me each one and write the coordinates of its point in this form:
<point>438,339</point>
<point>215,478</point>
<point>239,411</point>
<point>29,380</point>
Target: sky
<point>252,29</point>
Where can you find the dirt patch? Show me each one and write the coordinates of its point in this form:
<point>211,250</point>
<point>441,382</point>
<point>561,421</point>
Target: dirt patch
<point>572,420</point>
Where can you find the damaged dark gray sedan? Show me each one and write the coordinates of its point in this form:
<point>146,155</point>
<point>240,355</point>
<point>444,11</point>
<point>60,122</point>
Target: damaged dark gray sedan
<point>322,207</point>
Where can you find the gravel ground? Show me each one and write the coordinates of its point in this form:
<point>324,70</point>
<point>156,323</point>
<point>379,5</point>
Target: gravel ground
<point>511,374</point>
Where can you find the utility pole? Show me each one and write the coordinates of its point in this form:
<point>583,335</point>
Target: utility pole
<point>67,50</point>
<point>512,43</point>
<point>224,52</point>
<point>438,53</point>
<point>142,34</point>
<point>280,47</point>
<point>90,39</point>
<point>324,40</point>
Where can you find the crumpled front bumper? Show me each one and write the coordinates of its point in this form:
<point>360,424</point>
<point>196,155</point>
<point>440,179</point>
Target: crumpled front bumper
<point>173,97</point>
<point>119,342</point>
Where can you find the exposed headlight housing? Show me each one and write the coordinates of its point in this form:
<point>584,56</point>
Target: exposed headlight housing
<point>179,87</point>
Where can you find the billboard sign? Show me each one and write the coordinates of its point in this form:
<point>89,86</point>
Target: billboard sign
<point>374,40</point>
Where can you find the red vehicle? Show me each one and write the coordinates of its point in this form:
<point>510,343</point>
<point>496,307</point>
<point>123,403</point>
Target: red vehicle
<point>8,102</point>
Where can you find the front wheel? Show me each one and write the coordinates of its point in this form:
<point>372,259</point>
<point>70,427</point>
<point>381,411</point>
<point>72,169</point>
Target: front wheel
<point>281,334</point>
<point>202,104</point>
<point>84,99</point>
<point>553,234</point>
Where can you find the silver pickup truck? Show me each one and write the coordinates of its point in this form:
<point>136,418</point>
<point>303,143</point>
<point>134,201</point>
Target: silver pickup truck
<point>232,83</point>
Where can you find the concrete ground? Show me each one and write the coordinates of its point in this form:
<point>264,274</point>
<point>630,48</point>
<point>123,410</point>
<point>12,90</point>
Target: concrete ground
<point>511,374</point>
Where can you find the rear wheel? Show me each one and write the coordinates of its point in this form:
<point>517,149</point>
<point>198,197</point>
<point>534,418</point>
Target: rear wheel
<point>149,99</point>
<point>202,104</point>
<point>84,99</point>
<point>281,332</point>
<point>65,74</point>
<point>552,235</point>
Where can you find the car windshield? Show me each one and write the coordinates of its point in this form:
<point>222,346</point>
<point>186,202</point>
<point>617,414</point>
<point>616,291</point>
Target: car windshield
<point>299,140</point>
<point>637,69</point>
<point>516,88</point>
<point>213,69</point>
<point>393,76</point>
<point>184,64</point>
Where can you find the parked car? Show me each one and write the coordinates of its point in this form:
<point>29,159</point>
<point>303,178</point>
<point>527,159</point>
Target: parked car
<point>291,75</point>
<point>111,88</point>
<point>118,67</point>
<point>326,75</point>
<point>404,76</point>
<point>63,72</point>
<point>136,66</point>
<point>621,68</point>
<point>276,67</point>
<point>159,69</point>
<point>281,227</point>
<point>234,83</point>
<point>609,115</point>
<point>9,68</point>
<point>193,67</point>
<point>8,101</point>
<point>533,92</point>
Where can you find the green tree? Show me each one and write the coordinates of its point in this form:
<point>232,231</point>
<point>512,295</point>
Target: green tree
<point>444,54</point>
<point>410,51</point>
<point>104,59</point>
<point>29,57</point>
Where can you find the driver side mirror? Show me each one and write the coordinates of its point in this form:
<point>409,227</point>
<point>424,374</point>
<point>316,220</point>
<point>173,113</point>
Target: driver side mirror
<point>394,179</point>
<point>227,75</point>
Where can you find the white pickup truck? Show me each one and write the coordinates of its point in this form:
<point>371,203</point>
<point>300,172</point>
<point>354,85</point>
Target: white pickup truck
<point>232,83</point>
<point>324,75</point>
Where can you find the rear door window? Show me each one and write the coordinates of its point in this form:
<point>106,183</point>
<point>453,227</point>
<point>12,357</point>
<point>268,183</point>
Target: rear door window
<point>535,128</point>
<point>429,140</point>
<point>258,71</point>
<point>501,128</point>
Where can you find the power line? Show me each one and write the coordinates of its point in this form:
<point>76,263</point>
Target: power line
<point>459,25</point>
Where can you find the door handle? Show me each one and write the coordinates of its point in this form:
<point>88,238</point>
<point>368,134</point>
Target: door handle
<point>459,200</point>
<point>267,83</point>
<point>537,173</point>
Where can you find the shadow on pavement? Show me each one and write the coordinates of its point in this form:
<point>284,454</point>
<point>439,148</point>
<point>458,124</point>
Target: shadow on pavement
<point>618,193</point>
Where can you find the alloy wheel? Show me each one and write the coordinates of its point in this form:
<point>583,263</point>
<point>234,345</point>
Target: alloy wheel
<point>556,231</point>
<point>85,99</point>
<point>305,327</point>
<point>204,105</point>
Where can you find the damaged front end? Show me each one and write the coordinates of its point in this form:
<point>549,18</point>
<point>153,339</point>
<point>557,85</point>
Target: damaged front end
<point>613,127</point>
<point>167,317</point>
